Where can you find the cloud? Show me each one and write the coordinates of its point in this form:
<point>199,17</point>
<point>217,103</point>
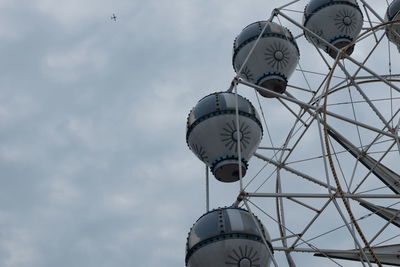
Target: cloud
<point>73,14</point>
<point>74,62</point>
<point>17,249</point>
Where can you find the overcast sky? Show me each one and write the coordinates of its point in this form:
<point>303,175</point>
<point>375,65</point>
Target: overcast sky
<point>94,167</point>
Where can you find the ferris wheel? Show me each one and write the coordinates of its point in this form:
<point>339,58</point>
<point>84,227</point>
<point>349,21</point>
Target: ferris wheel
<point>309,131</point>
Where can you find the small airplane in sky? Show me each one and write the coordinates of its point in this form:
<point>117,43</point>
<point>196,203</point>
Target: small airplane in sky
<point>113,17</point>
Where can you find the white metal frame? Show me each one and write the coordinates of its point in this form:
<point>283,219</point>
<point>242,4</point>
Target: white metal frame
<point>316,111</point>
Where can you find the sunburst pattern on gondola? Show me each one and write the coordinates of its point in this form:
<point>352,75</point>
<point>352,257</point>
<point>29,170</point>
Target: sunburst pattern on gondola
<point>277,55</point>
<point>346,21</point>
<point>229,135</point>
<point>246,72</point>
<point>200,152</point>
<point>243,257</point>
<point>318,32</point>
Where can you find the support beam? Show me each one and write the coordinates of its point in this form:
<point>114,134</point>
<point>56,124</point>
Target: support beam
<point>316,195</point>
<point>388,214</point>
<point>386,254</point>
<point>386,175</point>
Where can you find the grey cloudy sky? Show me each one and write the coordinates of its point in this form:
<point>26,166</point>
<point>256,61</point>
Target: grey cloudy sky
<point>94,166</point>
